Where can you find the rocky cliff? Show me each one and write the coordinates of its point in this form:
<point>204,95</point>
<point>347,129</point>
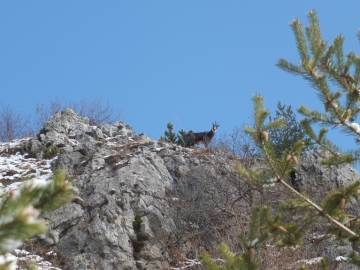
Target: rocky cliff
<point>145,204</point>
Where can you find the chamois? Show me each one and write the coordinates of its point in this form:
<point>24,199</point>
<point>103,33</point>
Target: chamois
<point>193,138</point>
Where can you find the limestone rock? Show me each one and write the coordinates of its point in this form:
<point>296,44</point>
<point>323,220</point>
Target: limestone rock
<point>146,204</point>
<point>311,175</point>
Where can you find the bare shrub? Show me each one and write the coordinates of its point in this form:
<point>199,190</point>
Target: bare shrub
<point>274,258</point>
<point>49,253</point>
<point>210,205</point>
<point>96,109</point>
<point>239,144</point>
<point>13,124</point>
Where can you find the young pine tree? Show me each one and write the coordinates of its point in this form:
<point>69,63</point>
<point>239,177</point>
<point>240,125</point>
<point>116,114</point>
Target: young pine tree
<point>324,65</point>
<point>172,137</point>
<point>284,137</point>
<point>20,210</point>
<point>181,137</point>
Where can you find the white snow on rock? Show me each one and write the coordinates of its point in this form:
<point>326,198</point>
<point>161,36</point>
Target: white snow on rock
<point>188,263</point>
<point>341,259</point>
<point>16,170</point>
<point>17,167</point>
<point>312,261</point>
<point>22,259</point>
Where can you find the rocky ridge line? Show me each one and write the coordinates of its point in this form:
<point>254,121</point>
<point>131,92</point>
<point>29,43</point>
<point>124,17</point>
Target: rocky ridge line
<point>124,216</point>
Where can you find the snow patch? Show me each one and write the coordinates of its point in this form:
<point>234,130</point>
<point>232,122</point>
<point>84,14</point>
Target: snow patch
<point>341,259</point>
<point>312,261</point>
<point>188,263</point>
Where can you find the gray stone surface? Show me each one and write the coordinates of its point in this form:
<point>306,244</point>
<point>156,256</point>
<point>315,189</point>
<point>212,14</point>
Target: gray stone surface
<point>121,175</point>
<point>318,180</point>
<point>311,175</point>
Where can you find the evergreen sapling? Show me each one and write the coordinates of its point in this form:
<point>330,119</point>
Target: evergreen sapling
<point>323,65</point>
<point>20,210</point>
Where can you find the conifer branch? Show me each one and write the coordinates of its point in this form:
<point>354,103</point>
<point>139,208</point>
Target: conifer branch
<point>314,205</point>
<point>319,209</point>
<point>317,45</point>
<point>289,67</point>
<point>20,210</point>
<point>300,41</point>
<point>323,65</point>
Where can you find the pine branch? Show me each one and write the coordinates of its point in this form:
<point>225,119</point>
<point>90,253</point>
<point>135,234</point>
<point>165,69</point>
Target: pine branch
<point>338,46</point>
<point>320,210</point>
<point>317,45</point>
<point>323,66</point>
<point>20,210</point>
<point>289,67</point>
<point>250,243</point>
<point>279,179</point>
<point>300,41</point>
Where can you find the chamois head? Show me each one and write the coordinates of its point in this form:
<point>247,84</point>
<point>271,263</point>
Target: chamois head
<point>215,126</point>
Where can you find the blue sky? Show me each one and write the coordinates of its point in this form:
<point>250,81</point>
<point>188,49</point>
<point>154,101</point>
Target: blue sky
<point>186,62</point>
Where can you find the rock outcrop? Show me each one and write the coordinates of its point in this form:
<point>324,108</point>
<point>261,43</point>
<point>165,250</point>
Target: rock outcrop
<point>314,177</point>
<point>121,182</point>
<point>145,204</point>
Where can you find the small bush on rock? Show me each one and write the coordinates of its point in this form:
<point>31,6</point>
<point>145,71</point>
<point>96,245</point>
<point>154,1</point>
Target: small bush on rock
<point>284,137</point>
<point>172,137</point>
<point>138,244</point>
<point>50,152</point>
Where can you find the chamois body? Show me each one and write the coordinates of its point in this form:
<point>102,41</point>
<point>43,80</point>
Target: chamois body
<point>205,138</point>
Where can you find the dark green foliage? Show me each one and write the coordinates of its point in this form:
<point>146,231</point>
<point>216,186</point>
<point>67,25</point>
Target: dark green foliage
<point>137,224</point>
<point>250,243</point>
<point>50,152</point>
<point>42,131</point>
<point>181,138</point>
<point>323,65</point>
<point>172,137</point>
<point>19,212</point>
<point>284,137</point>
<point>138,244</point>
<point>54,194</point>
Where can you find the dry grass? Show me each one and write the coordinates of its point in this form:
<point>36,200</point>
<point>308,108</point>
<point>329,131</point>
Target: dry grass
<point>212,224</point>
<point>285,258</point>
<point>11,172</point>
<point>36,247</point>
<point>112,160</point>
